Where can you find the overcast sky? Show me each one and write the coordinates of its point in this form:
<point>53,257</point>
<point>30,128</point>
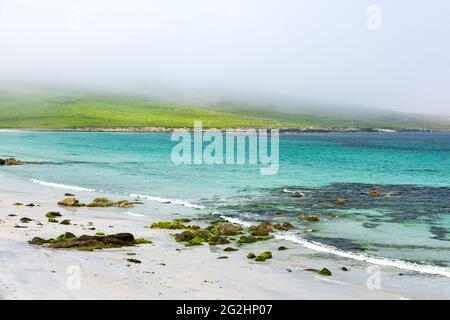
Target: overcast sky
<point>316,51</point>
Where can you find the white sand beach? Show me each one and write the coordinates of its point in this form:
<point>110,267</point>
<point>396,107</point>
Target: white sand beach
<point>168,270</point>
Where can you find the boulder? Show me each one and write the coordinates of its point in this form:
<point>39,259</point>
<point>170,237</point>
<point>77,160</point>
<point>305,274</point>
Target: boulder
<point>95,242</point>
<point>262,229</point>
<point>341,201</point>
<point>172,225</point>
<point>247,239</point>
<point>251,255</point>
<point>133,260</point>
<point>37,241</point>
<point>184,236</point>
<point>53,214</point>
<point>123,204</point>
<point>309,218</point>
<point>218,240</point>
<point>285,226</point>
<point>264,256</point>
<point>101,202</point>
<point>325,272</point>
<point>70,202</point>
<point>10,162</point>
<point>228,229</point>
<point>374,193</point>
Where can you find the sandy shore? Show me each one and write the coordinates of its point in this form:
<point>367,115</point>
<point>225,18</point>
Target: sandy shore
<point>168,270</point>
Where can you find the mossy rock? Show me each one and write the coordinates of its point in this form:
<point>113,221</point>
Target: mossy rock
<point>53,214</point>
<point>229,249</point>
<point>183,220</point>
<point>184,236</point>
<point>218,240</point>
<point>251,239</point>
<point>37,241</point>
<point>25,220</point>
<point>134,260</point>
<point>262,229</point>
<point>52,220</point>
<point>171,225</point>
<point>65,222</point>
<point>142,241</point>
<point>374,194</point>
<point>196,241</point>
<point>264,256</point>
<point>65,236</point>
<point>100,202</point>
<point>251,255</point>
<point>309,218</point>
<point>123,204</point>
<point>325,272</point>
<point>100,233</point>
<point>247,239</point>
<point>282,248</point>
<point>341,201</point>
<point>226,229</point>
<point>265,227</point>
<point>70,202</point>
<point>87,243</point>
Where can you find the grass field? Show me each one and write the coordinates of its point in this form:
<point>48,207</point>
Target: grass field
<point>31,109</point>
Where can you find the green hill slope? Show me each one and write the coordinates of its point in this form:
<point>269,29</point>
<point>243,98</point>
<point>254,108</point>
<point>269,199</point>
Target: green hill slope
<point>27,109</point>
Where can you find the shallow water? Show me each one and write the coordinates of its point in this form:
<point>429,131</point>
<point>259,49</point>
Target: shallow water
<point>411,222</point>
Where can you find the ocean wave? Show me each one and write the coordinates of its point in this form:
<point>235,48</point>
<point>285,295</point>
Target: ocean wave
<point>61,186</point>
<point>166,200</point>
<point>381,261</point>
<point>135,214</point>
<point>293,191</point>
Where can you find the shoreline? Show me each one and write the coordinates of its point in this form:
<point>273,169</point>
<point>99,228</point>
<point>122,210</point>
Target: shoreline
<point>168,270</point>
<point>138,129</point>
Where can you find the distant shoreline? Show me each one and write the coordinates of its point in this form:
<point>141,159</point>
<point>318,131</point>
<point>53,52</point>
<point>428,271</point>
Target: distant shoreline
<point>170,129</point>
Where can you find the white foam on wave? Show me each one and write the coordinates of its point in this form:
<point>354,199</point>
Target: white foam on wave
<point>134,214</point>
<point>61,186</point>
<point>293,191</point>
<point>236,221</point>
<point>166,200</point>
<point>400,264</point>
<point>381,261</point>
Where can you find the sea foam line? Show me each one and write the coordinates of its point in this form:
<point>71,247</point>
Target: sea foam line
<point>293,191</point>
<point>400,264</point>
<point>61,186</point>
<point>134,214</point>
<point>166,200</point>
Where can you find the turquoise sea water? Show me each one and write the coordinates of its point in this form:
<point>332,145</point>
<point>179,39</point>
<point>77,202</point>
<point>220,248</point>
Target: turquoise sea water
<point>412,224</point>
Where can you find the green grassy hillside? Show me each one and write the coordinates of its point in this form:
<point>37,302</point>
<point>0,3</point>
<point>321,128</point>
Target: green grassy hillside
<point>28,109</point>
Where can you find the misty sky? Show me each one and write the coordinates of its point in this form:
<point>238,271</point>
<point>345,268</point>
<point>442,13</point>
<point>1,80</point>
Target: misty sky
<point>316,51</point>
